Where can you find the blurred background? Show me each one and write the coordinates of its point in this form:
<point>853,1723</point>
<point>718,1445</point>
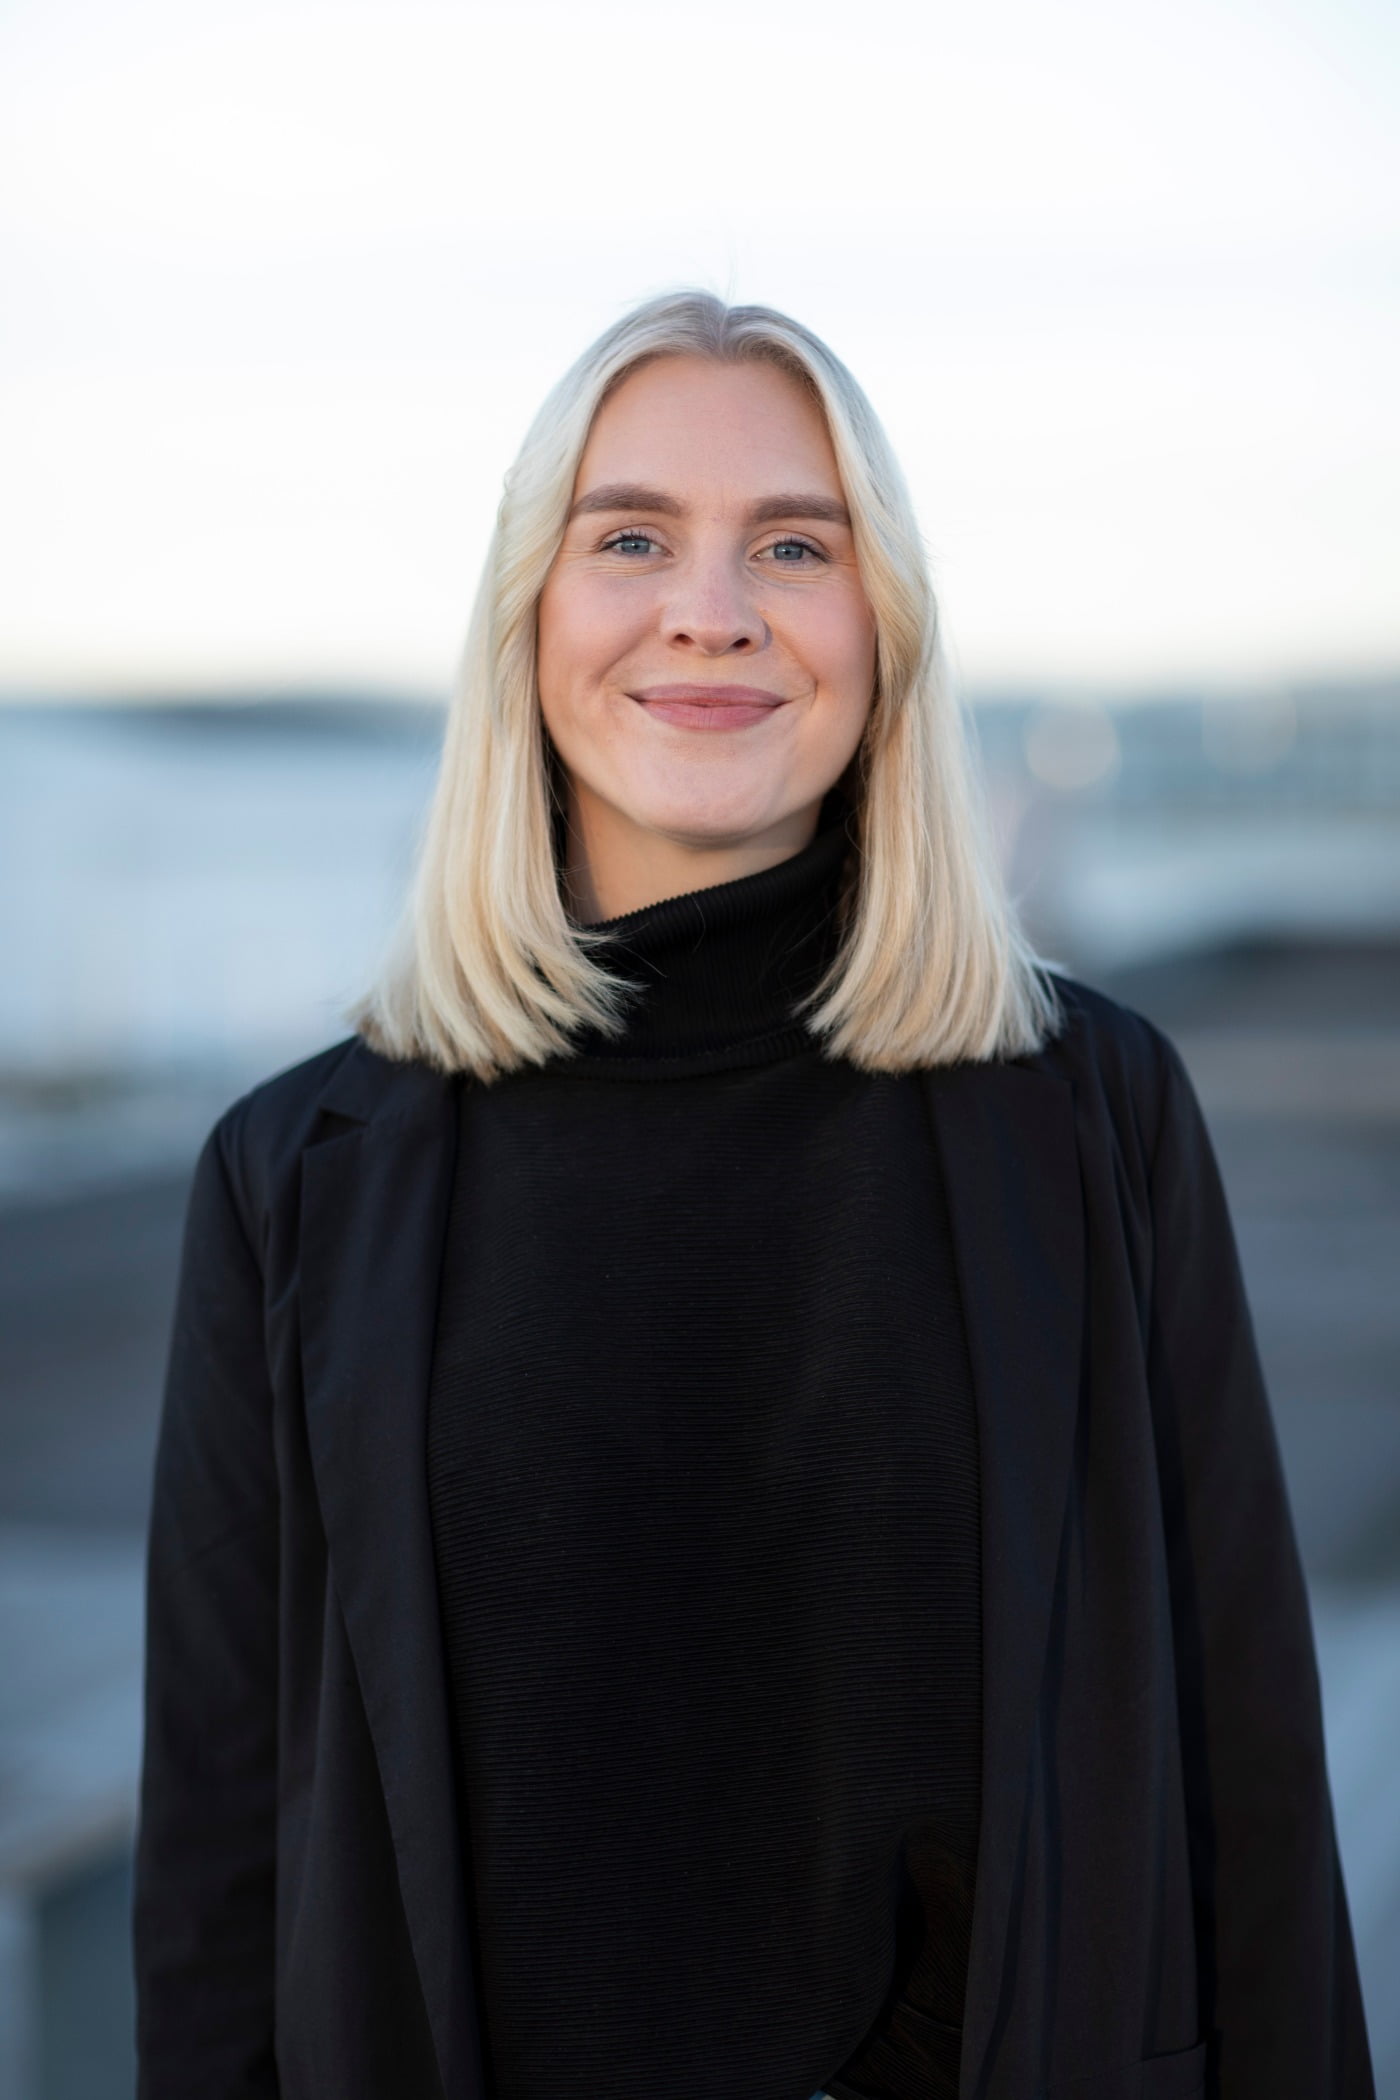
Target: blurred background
<point>284,287</point>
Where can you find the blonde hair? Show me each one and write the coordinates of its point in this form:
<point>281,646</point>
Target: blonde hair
<point>489,974</point>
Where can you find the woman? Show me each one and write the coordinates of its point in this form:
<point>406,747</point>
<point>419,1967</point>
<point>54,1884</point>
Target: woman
<point>717,1530</point>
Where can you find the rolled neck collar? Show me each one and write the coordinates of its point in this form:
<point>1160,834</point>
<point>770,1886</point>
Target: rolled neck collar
<point>719,971</point>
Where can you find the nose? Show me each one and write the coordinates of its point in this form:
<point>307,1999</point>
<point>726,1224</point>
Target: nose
<point>712,609</point>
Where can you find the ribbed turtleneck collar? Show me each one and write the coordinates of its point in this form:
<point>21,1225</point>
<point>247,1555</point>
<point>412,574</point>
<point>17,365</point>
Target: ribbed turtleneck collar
<point>721,969</point>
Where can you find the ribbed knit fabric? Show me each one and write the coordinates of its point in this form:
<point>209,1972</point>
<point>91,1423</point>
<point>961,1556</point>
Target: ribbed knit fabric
<point>703,1476</point>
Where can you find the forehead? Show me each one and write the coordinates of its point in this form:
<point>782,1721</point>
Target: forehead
<point>690,422</point>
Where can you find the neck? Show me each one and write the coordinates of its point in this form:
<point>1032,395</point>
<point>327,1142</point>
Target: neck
<point>613,866</point>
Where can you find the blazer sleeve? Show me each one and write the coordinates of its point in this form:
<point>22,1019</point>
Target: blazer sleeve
<point>1280,1995</point>
<point>203,1923</point>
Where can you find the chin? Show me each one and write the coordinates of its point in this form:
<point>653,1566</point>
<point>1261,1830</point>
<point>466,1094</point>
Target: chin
<point>696,815</point>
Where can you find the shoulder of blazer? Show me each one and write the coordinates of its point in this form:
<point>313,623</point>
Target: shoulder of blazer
<point>1109,1050</point>
<point>1102,1047</point>
<point>261,1137</point>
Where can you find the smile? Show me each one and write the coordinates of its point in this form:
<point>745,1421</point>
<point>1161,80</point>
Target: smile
<point>709,706</point>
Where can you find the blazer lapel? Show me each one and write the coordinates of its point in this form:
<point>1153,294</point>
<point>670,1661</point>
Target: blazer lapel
<point>1006,1137</point>
<point>374,1214</point>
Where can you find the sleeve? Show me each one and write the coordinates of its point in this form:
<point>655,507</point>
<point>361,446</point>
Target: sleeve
<point>203,1920</point>
<point>1280,1995</point>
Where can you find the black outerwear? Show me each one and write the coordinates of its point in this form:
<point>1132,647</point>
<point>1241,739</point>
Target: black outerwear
<point>1159,1908</point>
<point>702,1466</point>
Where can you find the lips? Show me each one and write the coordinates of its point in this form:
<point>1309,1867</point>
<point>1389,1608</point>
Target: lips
<point>709,706</point>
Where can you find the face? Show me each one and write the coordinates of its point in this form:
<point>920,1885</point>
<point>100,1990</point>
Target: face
<point>706,650</point>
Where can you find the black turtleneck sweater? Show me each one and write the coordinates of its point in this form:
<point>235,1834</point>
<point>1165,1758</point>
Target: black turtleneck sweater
<point>703,1474</point>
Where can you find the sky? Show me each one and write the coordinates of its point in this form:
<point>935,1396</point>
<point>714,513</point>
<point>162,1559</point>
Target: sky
<point>283,286</point>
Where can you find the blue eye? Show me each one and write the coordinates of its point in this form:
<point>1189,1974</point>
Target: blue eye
<point>790,552</point>
<point>630,543</point>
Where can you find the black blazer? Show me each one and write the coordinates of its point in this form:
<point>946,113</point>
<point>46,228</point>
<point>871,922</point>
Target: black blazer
<point>1159,1908</point>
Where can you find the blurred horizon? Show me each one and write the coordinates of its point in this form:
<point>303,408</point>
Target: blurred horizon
<point>199,883</point>
<point>1381,682</point>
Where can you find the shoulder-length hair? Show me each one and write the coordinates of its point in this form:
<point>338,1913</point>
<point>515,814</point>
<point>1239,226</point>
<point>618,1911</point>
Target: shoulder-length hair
<point>489,972</point>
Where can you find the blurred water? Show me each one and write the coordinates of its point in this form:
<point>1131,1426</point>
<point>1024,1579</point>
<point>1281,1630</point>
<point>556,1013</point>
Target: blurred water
<point>179,886</point>
<point>196,889</point>
<point>187,900</point>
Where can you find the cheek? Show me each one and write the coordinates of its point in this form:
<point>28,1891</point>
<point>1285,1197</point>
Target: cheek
<point>838,640</point>
<point>584,627</point>
<point>555,645</point>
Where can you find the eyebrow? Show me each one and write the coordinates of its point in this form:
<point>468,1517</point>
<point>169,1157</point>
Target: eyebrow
<point>630,495</point>
<point>826,510</point>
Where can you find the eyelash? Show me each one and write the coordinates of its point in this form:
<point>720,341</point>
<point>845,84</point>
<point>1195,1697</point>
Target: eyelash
<point>789,539</point>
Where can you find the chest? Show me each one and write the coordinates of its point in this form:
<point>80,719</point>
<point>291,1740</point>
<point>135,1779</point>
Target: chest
<point>731,1292</point>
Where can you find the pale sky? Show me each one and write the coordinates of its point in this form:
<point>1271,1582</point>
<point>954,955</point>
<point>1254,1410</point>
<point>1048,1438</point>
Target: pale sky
<point>283,285</point>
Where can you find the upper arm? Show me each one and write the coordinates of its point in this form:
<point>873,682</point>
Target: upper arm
<point>205,1859</point>
<point>1278,1971</point>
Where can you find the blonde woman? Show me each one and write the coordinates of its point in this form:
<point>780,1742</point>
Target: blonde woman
<point>717,1530</point>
